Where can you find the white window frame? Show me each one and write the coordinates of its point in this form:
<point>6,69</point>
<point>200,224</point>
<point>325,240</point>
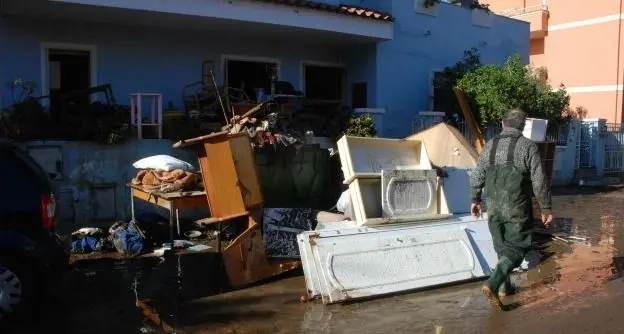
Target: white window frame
<point>342,66</point>
<point>45,68</point>
<point>432,73</point>
<point>252,59</point>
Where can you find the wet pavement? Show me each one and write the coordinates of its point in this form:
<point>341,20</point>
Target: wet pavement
<point>577,287</point>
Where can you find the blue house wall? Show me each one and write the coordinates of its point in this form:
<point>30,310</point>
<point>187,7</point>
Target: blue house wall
<point>164,60</point>
<point>423,43</point>
<point>141,59</point>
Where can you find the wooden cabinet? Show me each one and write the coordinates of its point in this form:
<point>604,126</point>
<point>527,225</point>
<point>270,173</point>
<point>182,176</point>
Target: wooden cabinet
<point>233,191</point>
<point>229,174</point>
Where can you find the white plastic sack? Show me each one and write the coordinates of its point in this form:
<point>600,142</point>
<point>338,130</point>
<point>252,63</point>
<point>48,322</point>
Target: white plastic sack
<point>343,201</point>
<point>344,204</point>
<point>163,162</point>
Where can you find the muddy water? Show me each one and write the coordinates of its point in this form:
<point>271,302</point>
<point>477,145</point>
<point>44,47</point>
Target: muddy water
<point>576,287</point>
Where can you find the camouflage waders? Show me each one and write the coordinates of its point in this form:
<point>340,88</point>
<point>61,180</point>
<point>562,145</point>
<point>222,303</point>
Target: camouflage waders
<point>510,217</point>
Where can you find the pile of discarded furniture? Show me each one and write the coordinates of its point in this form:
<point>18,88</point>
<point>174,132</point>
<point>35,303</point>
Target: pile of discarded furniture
<point>234,195</point>
<point>410,227</point>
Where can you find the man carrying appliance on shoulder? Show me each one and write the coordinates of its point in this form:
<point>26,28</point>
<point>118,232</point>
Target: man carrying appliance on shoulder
<point>510,170</point>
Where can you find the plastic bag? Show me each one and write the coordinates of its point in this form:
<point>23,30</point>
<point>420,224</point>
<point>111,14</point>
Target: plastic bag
<point>343,202</point>
<point>163,162</point>
<point>127,238</point>
<point>86,244</point>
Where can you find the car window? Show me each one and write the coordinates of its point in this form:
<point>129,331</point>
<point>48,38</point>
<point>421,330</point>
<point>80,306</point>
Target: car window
<point>21,186</point>
<point>33,165</point>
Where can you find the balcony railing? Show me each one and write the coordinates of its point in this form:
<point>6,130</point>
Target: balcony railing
<point>513,12</point>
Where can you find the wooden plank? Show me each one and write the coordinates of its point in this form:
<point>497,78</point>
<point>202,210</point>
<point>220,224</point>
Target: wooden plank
<point>181,199</point>
<point>163,203</point>
<point>190,202</point>
<point>220,178</point>
<point>245,259</point>
<point>470,119</point>
<point>198,140</point>
<point>214,220</point>
<point>246,170</point>
<point>170,195</point>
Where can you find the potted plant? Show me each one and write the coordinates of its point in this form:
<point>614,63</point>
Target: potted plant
<point>361,126</point>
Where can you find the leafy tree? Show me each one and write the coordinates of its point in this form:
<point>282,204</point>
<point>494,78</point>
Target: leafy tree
<point>494,89</point>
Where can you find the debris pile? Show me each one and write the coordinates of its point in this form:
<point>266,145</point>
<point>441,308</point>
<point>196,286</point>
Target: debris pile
<point>263,125</point>
<point>270,123</point>
<point>167,181</point>
<point>166,174</point>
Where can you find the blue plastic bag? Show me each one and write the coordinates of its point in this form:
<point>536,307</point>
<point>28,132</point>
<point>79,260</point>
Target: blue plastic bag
<point>128,239</point>
<point>86,244</point>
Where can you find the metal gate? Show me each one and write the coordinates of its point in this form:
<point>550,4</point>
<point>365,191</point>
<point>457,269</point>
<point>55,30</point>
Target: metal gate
<point>583,147</point>
<point>613,139</point>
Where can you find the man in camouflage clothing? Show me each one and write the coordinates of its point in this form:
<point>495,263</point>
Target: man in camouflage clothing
<point>510,170</point>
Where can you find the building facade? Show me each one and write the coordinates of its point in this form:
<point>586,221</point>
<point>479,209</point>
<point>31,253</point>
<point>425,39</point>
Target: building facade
<point>381,53</point>
<point>580,43</point>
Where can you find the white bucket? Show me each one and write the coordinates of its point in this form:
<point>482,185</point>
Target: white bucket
<point>535,129</point>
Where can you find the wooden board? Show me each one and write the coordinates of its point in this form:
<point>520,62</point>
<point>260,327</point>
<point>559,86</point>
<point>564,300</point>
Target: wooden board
<point>447,147</point>
<point>246,170</point>
<point>470,119</point>
<point>220,178</point>
<point>245,258</point>
<point>180,200</point>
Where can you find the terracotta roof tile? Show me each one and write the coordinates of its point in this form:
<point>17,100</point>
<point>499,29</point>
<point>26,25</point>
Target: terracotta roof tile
<point>340,9</point>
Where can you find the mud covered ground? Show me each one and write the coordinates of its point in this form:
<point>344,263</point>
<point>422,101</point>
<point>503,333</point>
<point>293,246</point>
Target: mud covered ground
<point>577,288</point>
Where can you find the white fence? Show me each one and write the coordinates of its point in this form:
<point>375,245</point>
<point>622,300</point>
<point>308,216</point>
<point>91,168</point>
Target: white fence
<point>590,143</point>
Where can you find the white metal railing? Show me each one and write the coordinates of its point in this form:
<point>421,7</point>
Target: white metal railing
<point>422,122</point>
<point>524,10</point>
<point>613,140</point>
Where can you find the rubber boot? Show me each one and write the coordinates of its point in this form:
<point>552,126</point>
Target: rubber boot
<point>498,277</point>
<point>506,289</point>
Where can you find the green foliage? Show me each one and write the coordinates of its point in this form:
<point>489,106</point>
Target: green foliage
<point>495,89</point>
<point>361,126</point>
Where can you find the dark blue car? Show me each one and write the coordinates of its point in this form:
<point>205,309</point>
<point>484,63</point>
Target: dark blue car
<point>32,255</point>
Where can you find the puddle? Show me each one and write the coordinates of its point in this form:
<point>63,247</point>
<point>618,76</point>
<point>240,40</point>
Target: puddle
<point>190,292</point>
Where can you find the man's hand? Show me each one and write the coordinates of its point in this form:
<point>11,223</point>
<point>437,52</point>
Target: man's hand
<point>475,209</point>
<point>547,219</point>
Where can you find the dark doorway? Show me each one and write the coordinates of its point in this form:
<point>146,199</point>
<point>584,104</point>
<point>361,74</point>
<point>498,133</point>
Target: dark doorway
<point>359,96</point>
<point>249,76</point>
<point>324,83</point>
<point>68,71</point>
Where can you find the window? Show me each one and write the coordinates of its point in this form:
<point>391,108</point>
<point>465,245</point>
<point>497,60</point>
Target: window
<point>323,82</point>
<point>68,71</point>
<point>250,75</point>
<point>359,97</point>
<point>435,96</point>
<point>24,188</point>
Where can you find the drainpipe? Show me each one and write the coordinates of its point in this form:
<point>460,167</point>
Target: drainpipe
<point>617,82</point>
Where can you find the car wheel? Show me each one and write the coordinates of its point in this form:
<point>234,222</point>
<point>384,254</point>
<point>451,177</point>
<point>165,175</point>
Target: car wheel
<point>17,290</point>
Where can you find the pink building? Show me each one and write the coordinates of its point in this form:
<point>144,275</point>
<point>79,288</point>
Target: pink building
<point>580,43</point>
